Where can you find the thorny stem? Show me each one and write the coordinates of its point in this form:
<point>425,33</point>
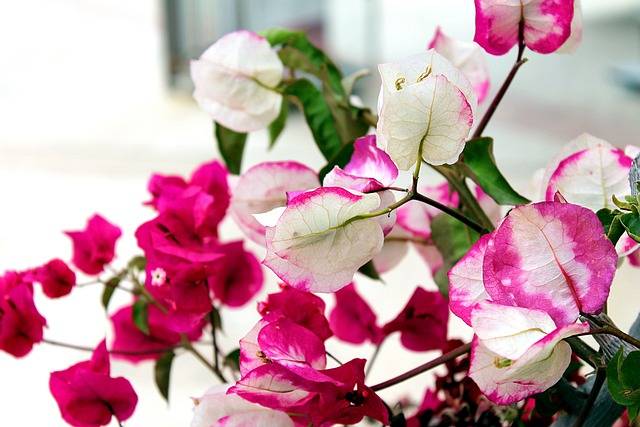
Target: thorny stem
<point>186,344</point>
<point>609,330</point>
<point>216,350</point>
<point>459,351</point>
<point>505,86</point>
<point>601,375</point>
<point>335,359</point>
<point>451,212</point>
<point>582,350</point>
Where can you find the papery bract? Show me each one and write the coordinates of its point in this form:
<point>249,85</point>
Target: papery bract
<point>466,285</point>
<point>520,352</point>
<point>425,110</point>
<point>467,57</point>
<point>546,24</point>
<point>88,396</point>
<point>301,307</point>
<point>422,323</point>
<point>263,188</point>
<point>21,324</point>
<point>352,319</point>
<point>56,278</point>
<point>217,409</point>
<point>319,243</point>
<point>235,81</point>
<point>131,344</point>
<point>238,276</point>
<point>553,257</point>
<point>588,172</point>
<point>94,247</point>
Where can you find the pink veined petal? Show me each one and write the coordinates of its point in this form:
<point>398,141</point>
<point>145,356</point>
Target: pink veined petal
<point>370,161</point>
<point>352,319</point>
<point>287,343</point>
<point>393,251</point>
<point>509,331</point>
<point>466,286</point>
<point>217,408</point>
<point>574,40</point>
<point>547,24</point>
<point>591,177</point>
<point>274,386</point>
<point>466,56</point>
<point>497,25</point>
<point>263,188</point>
<point>318,245</point>
<point>505,381</point>
<point>251,355</point>
<point>553,257</point>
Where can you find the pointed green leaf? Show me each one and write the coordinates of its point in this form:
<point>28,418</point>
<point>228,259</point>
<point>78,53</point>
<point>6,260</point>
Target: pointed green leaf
<point>318,117</point>
<point>162,373</point>
<point>232,360</point>
<point>215,319</point>
<point>109,289</point>
<point>140,315</point>
<point>138,263</point>
<point>622,378</point>
<point>277,126</point>
<point>611,222</point>
<point>231,145</point>
<point>481,167</point>
<point>631,223</point>
<point>370,271</point>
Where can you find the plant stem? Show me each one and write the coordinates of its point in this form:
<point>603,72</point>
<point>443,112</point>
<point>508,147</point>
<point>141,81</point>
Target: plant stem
<point>610,330</point>
<point>582,350</point>
<point>601,375</point>
<point>186,344</point>
<point>373,358</point>
<point>370,118</point>
<point>505,86</point>
<point>451,212</point>
<point>216,350</point>
<point>120,352</point>
<point>331,356</point>
<point>465,348</point>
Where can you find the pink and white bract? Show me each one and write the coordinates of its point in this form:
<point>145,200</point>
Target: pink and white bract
<point>319,242</point>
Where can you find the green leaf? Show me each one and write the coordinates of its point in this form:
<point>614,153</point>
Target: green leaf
<point>232,360</point>
<point>162,373</point>
<point>215,319</point>
<point>623,378</point>
<point>370,271</point>
<point>318,117</point>
<point>140,315</point>
<point>631,223</point>
<point>340,159</point>
<point>109,289</point>
<point>481,167</point>
<point>138,263</point>
<point>453,239</point>
<point>611,222</point>
<point>299,53</point>
<point>231,145</point>
<point>276,127</point>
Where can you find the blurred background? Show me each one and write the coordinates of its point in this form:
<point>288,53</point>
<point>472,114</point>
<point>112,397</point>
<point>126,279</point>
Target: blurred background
<point>95,96</point>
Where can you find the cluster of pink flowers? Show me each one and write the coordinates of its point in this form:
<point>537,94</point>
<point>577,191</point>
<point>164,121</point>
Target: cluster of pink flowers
<point>525,282</point>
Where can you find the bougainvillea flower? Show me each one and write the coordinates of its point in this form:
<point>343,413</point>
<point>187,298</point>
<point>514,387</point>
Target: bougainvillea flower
<point>264,187</point>
<point>94,247</point>
<point>422,323</point>
<point>56,278</point>
<point>352,319</point>
<point>553,257</point>
<point>589,172</point>
<point>235,81</point>
<point>518,352</point>
<point>466,285</point>
<point>546,24</point>
<point>394,249</point>
<point>88,396</point>
<point>466,56</point>
<point>370,168</point>
<point>303,308</point>
<point>131,344</point>
<point>219,409</point>
<point>21,324</point>
<point>334,396</point>
<point>425,110</point>
<point>238,276</point>
<point>574,40</point>
<point>319,242</point>
<point>416,217</point>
